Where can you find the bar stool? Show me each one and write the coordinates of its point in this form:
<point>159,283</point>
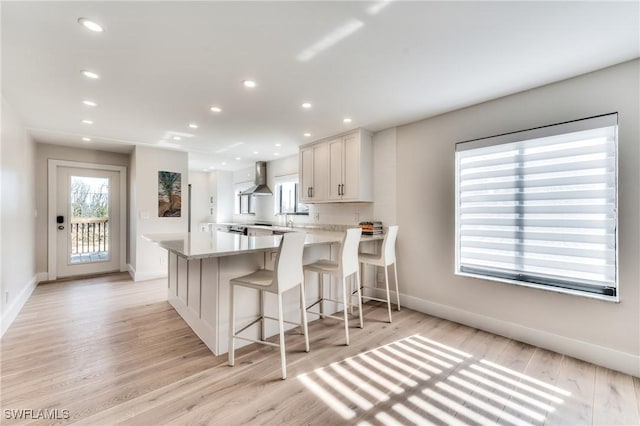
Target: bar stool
<point>287,274</point>
<point>346,266</point>
<point>385,258</point>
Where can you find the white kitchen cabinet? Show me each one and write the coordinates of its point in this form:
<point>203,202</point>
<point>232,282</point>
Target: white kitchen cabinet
<point>347,171</point>
<point>313,175</point>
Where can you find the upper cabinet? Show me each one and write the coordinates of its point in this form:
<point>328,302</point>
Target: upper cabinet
<point>337,169</point>
<point>313,183</point>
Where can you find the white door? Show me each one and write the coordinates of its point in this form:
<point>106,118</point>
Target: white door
<point>351,168</point>
<point>335,169</point>
<point>319,191</point>
<point>306,173</point>
<point>87,221</point>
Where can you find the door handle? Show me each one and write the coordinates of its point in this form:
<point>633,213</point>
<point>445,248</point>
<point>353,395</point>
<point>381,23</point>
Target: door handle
<point>339,190</point>
<point>342,189</point>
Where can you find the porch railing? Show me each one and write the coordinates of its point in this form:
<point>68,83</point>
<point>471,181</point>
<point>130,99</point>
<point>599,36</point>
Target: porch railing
<point>89,235</point>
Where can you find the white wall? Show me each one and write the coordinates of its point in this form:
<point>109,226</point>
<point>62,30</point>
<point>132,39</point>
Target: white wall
<point>200,193</point>
<point>384,176</point>
<point>221,185</point>
<point>18,275</point>
<point>149,260</point>
<point>45,152</point>
<point>601,332</point>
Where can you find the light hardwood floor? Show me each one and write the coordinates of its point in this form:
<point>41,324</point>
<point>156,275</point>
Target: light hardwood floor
<point>112,351</point>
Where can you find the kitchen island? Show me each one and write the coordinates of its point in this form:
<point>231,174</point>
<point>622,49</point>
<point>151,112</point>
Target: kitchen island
<point>201,264</point>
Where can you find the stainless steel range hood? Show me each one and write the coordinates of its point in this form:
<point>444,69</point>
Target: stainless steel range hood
<point>260,187</point>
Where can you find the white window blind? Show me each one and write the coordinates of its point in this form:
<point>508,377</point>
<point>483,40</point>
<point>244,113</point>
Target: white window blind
<point>538,207</point>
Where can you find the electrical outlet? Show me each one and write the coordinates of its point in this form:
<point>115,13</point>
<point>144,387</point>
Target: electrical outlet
<point>6,297</point>
<point>356,216</point>
<point>163,260</point>
<point>316,217</point>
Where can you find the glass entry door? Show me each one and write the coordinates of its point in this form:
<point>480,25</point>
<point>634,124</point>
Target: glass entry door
<point>87,221</point>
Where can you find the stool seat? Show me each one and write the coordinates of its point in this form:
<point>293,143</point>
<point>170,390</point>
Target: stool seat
<point>323,266</point>
<point>371,259</point>
<point>260,279</point>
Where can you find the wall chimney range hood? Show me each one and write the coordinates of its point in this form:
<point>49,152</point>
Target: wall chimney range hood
<point>260,187</point>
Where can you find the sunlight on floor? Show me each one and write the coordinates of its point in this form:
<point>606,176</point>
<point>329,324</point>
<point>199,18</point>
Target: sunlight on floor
<point>417,380</point>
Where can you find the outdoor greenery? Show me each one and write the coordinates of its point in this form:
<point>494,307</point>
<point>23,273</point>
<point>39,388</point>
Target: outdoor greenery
<point>88,201</point>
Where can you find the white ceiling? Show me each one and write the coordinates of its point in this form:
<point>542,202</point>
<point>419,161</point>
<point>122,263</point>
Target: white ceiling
<point>163,64</point>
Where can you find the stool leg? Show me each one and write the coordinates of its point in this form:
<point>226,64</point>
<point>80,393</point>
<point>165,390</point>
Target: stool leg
<point>232,327</point>
<point>395,271</point>
<point>386,283</point>
<point>346,314</point>
<point>283,360</point>
<point>351,295</point>
<point>305,329</point>
<point>321,292</point>
<point>263,324</point>
<point>358,281</point>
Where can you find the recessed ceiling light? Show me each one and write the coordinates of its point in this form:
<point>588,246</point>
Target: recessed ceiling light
<point>276,154</point>
<point>306,135</point>
<point>347,120</point>
<point>87,122</point>
<point>238,158</point>
<point>306,105</point>
<point>193,125</point>
<point>224,163</point>
<point>90,74</point>
<point>205,170</point>
<point>90,25</point>
<point>215,109</point>
<point>256,152</point>
<point>278,144</point>
<point>212,167</point>
<point>89,103</point>
<point>176,138</point>
<point>249,83</point>
<point>86,139</point>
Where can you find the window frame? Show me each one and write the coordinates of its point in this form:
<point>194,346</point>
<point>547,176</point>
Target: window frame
<point>279,181</point>
<point>239,189</point>
<point>527,279</point>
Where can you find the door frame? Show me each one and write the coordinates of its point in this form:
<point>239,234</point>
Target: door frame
<point>52,208</point>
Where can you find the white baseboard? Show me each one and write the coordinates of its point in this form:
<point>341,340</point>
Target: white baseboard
<point>132,271</point>
<point>616,360</point>
<point>14,308</point>
<point>144,276</point>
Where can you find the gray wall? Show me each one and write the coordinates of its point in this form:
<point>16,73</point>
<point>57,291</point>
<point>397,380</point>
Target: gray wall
<point>602,332</point>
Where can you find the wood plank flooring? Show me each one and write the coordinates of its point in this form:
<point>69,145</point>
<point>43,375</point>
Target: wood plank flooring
<point>106,350</point>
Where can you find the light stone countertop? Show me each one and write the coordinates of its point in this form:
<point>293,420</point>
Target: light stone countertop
<point>199,245</point>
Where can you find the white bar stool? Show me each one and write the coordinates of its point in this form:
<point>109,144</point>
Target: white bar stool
<point>287,274</point>
<point>346,266</point>
<point>385,258</point>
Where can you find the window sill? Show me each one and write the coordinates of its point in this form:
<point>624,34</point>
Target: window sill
<point>293,214</point>
<point>614,299</point>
